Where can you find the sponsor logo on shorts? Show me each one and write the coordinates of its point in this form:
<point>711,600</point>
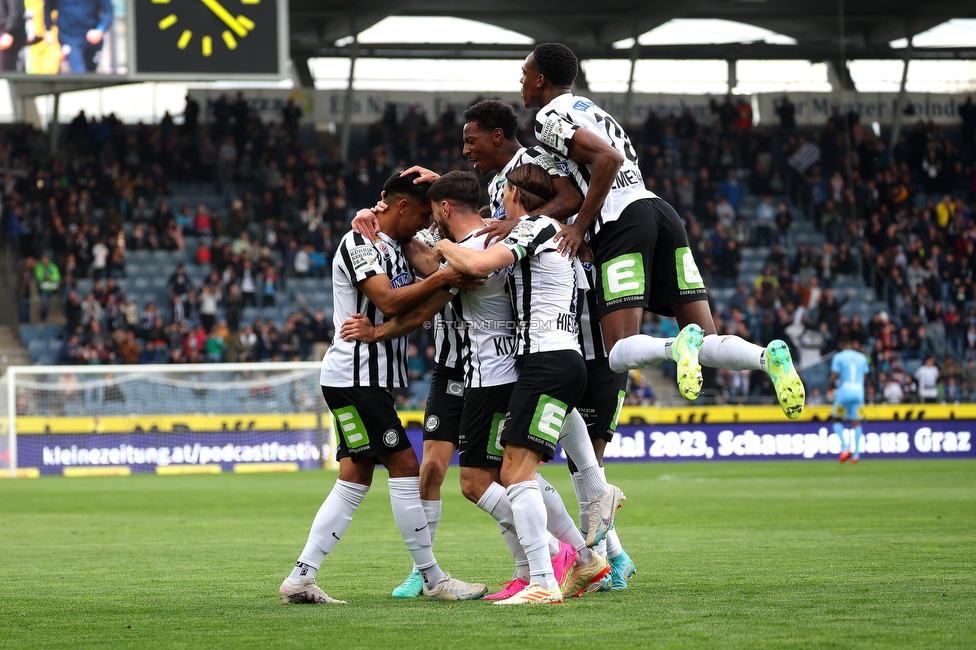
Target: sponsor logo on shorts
<point>350,426</point>
<point>689,277</point>
<point>548,419</point>
<point>455,388</point>
<point>495,450</point>
<point>623,277</point>
<point>391,438</point>
<point>432,423</point>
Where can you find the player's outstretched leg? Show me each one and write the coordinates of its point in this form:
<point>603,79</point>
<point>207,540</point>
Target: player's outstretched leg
<point>687,344</point>
<point>786,381</point>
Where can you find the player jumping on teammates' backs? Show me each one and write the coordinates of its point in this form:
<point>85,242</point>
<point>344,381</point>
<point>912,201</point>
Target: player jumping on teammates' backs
<point>639,243</point>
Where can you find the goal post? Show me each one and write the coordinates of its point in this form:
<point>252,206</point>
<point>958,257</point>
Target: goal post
<point>164,419</point>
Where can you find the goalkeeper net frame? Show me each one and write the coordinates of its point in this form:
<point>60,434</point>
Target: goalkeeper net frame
<point>167,419</point>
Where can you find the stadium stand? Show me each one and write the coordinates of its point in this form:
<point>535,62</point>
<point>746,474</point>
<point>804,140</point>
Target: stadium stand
<point>833,235</point>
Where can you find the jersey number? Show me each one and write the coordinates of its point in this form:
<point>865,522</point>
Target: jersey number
<point>617,135</point>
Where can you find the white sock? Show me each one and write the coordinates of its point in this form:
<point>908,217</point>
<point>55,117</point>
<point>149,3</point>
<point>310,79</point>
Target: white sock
<point>330,523</point>
<point>529,512</point>
<point>639,351</point>
<point>553,545</point>
<point>432,510</point>
<point>731,353</point>
<point>560,524</point>
<point>613,546</point>
<point>495,502</point>
<point>610,546</point>
<point>576,441</point>
<point>412,522</point>
<point>584,517</point>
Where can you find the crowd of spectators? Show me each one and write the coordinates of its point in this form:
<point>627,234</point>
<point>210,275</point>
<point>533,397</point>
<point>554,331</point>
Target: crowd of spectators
<point>896,221</point>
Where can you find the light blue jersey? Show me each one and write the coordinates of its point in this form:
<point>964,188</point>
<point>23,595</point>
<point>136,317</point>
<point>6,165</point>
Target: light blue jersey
<point>850,366</point>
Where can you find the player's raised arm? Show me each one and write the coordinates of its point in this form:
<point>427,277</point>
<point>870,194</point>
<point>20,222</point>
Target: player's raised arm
<point>605,161</point>
<point>476,263</point>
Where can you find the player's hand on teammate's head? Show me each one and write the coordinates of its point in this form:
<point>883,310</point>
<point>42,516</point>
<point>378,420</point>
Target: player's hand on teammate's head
<point>366,223</point>
<point>357,328</point>
<point>569,239</point>
<point>497,229</point>
<point>458,280</point>
<point>426,175</point>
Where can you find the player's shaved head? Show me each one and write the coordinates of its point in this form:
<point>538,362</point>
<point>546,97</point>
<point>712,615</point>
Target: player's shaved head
<point>534,184</point>
<point>557,63</point>
<point>491,114</point>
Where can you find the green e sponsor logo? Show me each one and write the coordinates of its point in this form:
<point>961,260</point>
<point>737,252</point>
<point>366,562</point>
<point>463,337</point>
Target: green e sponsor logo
<point>548,419</point>
<point>688,275</point>
<point>350,426</point>
<point>494,437</point>
<point>623,276</point>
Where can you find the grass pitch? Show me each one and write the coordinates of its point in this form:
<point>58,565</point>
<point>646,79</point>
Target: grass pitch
<point>746,555</point>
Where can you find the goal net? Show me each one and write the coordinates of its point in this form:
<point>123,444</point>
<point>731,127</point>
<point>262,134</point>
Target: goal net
<point>172,419</point>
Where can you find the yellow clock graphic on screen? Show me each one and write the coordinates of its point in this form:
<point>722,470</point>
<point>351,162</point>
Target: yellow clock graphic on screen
<point>187,36</point>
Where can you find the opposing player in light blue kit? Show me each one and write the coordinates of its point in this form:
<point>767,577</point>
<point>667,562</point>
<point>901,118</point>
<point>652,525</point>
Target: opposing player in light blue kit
<point>848,369</point>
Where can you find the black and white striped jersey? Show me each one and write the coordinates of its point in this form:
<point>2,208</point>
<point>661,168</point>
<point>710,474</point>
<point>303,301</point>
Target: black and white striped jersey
<point>447,341</point>
<point>590,334</point>
<point>544,287</point>
<point>487,326</point>
<point>524,156</point>
<point>555,125</point>
<point>353,363</point>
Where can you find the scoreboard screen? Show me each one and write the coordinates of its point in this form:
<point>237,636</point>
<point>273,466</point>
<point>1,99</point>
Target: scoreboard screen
<point>218,39</point>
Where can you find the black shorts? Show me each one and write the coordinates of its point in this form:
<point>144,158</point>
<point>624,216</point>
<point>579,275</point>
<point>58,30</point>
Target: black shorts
<point>602,399</point>
<point>644,260</point>
<point>484,412</point>
<point>365,422</point>
<point>549,386</point>
<point>442,417</point>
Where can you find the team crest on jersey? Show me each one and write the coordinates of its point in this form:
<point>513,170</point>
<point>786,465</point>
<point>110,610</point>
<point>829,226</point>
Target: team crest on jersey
<point>432,423</point>
<point>384,249</point>
<point>391,438</point>
<point>582,105</point>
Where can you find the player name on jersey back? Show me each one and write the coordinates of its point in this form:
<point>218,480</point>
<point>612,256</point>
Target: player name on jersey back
<point>545,288</point>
